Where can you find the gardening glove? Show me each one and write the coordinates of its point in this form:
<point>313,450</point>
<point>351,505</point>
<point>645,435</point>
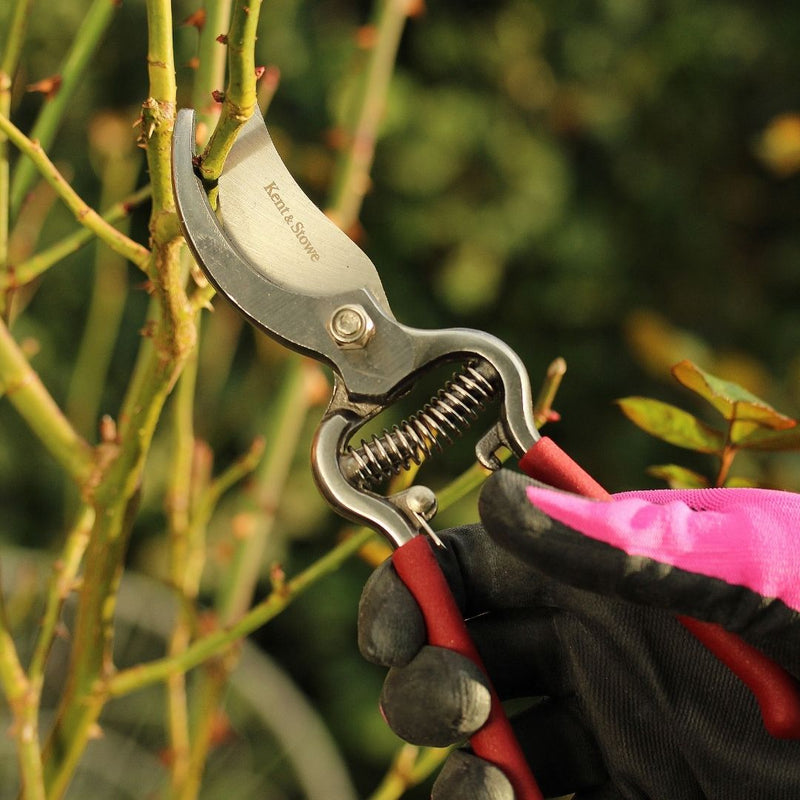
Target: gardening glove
<point>572,602</point>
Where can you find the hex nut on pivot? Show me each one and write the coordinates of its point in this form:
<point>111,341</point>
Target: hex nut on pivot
<point>351,326</point>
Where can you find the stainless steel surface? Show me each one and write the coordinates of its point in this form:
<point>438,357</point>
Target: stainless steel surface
<point>273,224</point>
<point>296,318</point>
<point>292,281</point>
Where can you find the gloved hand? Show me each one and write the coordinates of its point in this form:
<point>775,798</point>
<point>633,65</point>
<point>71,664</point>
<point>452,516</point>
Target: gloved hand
<point>573,602</point>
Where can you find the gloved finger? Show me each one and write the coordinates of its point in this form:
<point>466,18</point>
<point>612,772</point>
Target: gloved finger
<point>391,629</point>
<point>438,699</point>
<point>563,760</point>
<point>522,653</point>
<point>707,564</point>
<point>465,775</point>
<point>520,647</point>
<point>482,577</point>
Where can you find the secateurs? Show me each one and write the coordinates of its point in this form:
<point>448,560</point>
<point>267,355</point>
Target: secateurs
<point>290,271</point>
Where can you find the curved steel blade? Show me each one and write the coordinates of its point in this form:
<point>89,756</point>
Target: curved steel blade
<point>270,220</point>
<point>297,304</point>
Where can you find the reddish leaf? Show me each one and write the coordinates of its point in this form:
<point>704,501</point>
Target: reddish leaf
<point>672,424</point>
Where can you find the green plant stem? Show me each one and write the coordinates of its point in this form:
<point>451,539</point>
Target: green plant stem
<point>410,767</point>
<point>461,486</point>
<point>116,491</point>
<point>240,92</point>
<point>62,580</point>
<point>23,700</point>
<point>286,419</point>
<point>189,521</point>
<point>240,98</point>
<point>210,73</point>
<point>158,111</point>
<point>241,577</point>
<point>106,306</point>
<point>352,178</point>
<point>72,74</point>
<point>31,268</point>
<point>215,644</point>
<point>24,703</point>
<point>726,458</point>
<point>36,406</point>
<point>178,506</point>
<point>86,215</point>
<point>61,584</point>
<point>12,47</point>
<point>543,405</point>
<point>29,754</point>
<point>208,695</point>
<point>209,499</point>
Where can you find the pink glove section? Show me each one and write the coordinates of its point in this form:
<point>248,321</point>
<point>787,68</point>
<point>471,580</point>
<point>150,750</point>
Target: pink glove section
<point>746,537</point>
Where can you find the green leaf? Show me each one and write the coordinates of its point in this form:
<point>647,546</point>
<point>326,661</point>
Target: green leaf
<point>672,424</point>
<point>770,440</point>
<point>740,483</point>
<point>677,477</point>
<point>731,400</point>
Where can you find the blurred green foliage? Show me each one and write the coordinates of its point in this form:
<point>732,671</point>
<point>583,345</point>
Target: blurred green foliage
<point>612,181</point>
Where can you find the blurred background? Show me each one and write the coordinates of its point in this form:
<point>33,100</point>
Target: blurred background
<point>610,181</point>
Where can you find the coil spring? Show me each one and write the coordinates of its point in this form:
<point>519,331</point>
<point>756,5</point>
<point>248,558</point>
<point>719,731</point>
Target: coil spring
<point>444,417</point>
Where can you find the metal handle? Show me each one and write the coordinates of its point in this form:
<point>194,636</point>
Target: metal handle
<point>495,741</point>
<point>776,692</point>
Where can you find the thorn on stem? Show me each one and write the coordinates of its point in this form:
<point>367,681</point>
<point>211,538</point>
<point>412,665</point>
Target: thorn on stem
<point>221,728</point>
<point>366,37</point>
<point>223,38</point>
<point>95,732</point>
<point>277,579</point>
<point>47,86</point>
<point>197,19</point>
<point>148,330</point>
<point>218,96</point>
<point>207,623</point>
<point>30,347</point>
<point>243,526</point>
<point>108,430</point>
<point>271,77</point>
<point>337,138</point>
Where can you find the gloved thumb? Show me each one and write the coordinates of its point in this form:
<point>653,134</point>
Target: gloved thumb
<point>730,556</point>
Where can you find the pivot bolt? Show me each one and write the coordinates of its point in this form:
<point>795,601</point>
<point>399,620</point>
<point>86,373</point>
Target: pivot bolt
<point>421,500</point>
<point>351,326</point>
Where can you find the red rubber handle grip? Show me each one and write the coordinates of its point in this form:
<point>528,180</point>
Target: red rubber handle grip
<point>495,741</point>
<point>776,692</point>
